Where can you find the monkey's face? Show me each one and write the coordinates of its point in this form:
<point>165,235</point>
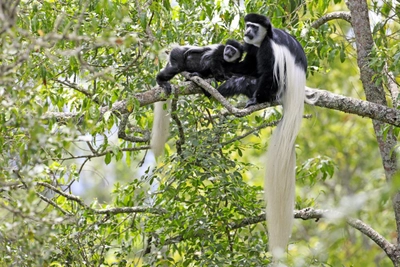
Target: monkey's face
<point>254,33</point>
<point>231,53</point>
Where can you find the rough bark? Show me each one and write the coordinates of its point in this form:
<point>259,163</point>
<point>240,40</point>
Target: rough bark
<point>324,98</point>
<point>375,93</point>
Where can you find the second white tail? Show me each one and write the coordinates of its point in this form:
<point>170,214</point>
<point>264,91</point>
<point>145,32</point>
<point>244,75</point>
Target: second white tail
<point>160,130</point>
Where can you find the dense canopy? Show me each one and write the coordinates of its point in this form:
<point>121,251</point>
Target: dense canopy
<point>79,185</point>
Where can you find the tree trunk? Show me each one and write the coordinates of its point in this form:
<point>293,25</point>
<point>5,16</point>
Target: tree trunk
<point>375,93</point>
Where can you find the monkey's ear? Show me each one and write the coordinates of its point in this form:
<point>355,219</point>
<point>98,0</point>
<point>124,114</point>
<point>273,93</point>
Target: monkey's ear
<point>269,30</point>
<point>267,24</point>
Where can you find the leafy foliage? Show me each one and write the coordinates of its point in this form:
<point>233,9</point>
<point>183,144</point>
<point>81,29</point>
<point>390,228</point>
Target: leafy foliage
<point>64,64</point>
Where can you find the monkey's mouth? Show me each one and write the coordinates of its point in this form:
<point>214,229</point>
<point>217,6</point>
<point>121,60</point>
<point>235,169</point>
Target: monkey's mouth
<point>249,36</point>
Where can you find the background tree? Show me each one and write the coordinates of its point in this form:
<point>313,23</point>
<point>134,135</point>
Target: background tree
<point>77,80</point>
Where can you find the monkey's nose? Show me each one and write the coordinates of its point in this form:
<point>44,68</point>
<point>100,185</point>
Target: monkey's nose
<point>249,36</point>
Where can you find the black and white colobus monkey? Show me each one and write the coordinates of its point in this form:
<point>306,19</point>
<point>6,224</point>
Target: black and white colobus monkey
<point>212,60</point>
<point>281,75</point>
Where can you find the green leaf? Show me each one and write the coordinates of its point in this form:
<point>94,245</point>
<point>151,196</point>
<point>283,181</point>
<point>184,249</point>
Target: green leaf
<point>107,158</point>
<point>342,55</point>
<point>107,115</point>
<point>143,21</point>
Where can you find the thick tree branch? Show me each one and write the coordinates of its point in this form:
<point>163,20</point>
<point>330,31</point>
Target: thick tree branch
<point>305,214</point>
<point>374,91</point>
<point>373,235</point>
<point>325,99</point>
<point>8,13</point>
<point>119,210</point>
<point>358,107</point>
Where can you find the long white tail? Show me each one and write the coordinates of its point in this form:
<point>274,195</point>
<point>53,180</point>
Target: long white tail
<point>281,156</point>
<point>160,130</point>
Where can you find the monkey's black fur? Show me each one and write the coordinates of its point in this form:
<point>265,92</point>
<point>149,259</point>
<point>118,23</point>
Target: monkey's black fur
<point>281,75</point>
<point>259,62</point>
<point>208,61</point>
<point>267,85</point>
<point>238,85</point>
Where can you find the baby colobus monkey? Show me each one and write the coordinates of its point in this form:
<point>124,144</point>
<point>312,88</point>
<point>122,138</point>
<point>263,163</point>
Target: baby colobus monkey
<point>243,81</point>
<point>248,66</point>
<point>281,75</point>
<point>208,61</point>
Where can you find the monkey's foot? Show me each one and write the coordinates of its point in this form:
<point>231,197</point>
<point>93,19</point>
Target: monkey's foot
<point>252,101</point>
<point>194,74</point>
<point>167,88</point>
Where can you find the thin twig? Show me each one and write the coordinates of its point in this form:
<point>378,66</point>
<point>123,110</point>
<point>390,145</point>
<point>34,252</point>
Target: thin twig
<point>104,153</point>
<point>54,204</point>
<point>109,211</point>
<point>262,126</point>
<point>331,16</point>
<point>122,134</point>
<point>214,92</point>
<point>174,116</point>
<point>75,87</point>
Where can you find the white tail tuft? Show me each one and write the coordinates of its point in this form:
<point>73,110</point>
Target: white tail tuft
<point>281,156</point>
<point>160,131</point>
<point>311,97</point>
